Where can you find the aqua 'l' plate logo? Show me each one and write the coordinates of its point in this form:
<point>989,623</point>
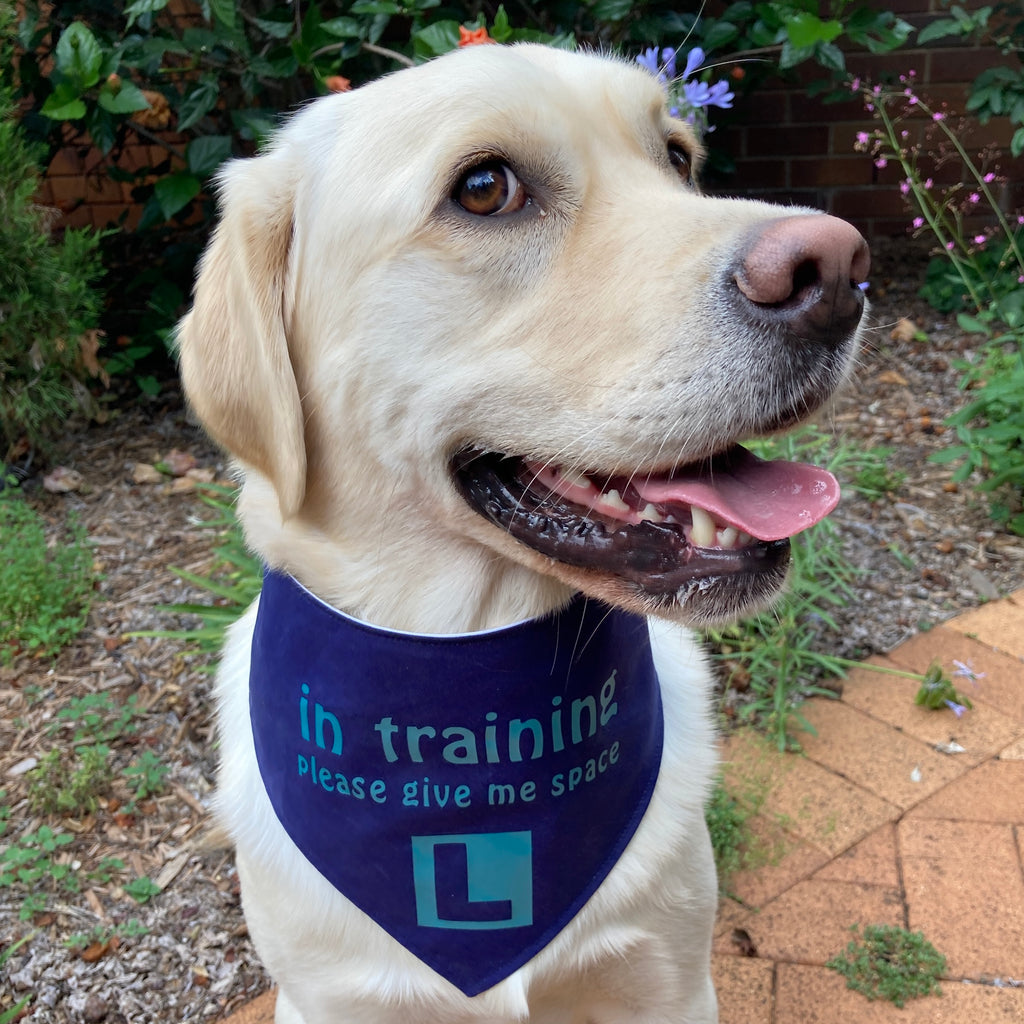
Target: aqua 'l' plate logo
<point>481,881</point>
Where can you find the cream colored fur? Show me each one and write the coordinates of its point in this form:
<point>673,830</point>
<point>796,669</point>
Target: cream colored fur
<point>352,329</point>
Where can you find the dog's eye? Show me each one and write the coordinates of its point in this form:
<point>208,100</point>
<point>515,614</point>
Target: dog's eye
<point>489,189</point>
<point>680,161</point>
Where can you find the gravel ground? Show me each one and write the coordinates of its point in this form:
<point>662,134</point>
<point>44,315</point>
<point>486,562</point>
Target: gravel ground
<point>927,551</point>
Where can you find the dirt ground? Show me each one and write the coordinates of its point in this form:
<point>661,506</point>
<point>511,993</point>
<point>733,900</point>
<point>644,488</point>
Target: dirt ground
<point>927,550</point>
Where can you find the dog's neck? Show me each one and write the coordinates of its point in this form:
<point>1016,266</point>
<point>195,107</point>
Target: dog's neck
<point>446,584</point>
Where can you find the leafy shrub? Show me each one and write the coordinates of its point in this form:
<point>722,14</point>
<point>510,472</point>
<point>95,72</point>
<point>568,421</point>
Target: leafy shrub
<point>890,963</point>
<point>45,592</point>
<point>782,654</point>
<point>212,85</point>
<point>46,289</point>
<point>982,272</point>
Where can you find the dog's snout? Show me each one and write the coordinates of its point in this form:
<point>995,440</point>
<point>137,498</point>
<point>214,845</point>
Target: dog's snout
<point>803,273</point>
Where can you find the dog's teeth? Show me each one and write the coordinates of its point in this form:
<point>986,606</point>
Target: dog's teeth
<point>743,539</point>
<point>574,478</point>
<point>651,514</point>
<point>612,499</point>
<point>727,538</point>
<point>703,532</point>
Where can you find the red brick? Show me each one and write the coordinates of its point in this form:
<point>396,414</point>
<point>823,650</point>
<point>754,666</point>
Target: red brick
<point>965,891</point>
<point>787,140</point>
<point>105,215</point>
<point>870,202</point>
<point>762,173</point>
<point>960,65</point>
<point>66,161</point>
<point>68,189</point>
<point>836,171</point>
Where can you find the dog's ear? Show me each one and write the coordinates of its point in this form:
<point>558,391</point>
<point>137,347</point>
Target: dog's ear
<point>234,356</point>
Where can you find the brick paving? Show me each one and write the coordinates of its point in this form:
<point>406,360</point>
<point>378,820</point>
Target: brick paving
<point>875,822</point>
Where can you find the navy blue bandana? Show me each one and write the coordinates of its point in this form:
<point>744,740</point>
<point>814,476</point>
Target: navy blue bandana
<point>469,792</point>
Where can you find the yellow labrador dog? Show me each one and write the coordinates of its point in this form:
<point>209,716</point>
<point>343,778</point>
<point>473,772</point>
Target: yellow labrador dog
<point>483,353</point>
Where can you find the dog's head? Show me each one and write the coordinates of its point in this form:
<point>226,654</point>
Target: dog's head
<point>478,316</point>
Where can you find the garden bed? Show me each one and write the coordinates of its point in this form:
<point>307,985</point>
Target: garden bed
<point>178,948</point>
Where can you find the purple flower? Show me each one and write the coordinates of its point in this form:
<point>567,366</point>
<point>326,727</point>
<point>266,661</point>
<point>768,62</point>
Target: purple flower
<point>863,138</point>
<point>649,60</point>
<point>989,178</point>
<point>662,66</point>
<point>918,222</point>
<point>980,239</point>
<point>694,59</point>
<point>668,62</point>
<point>966,671</point>
<point>957,709</point>
<point>974,198</point>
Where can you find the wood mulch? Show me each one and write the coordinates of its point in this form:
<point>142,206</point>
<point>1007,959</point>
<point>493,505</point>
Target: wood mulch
<point>928,551</point>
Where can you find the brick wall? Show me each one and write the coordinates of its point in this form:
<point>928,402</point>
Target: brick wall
<point>787,145</point>
<point>791,147</point>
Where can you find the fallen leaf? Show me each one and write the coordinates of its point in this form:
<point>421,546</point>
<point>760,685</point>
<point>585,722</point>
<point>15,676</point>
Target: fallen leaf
<point>892,377</point>
<point>88,347</point>
<point>61,480</point>
<point>202,476</point>
<point>144,473</point>
<point>182,485</point>
<point>905,330</point>
<point>177,462</point>
<point>744,943</point>
<point>95,951</point>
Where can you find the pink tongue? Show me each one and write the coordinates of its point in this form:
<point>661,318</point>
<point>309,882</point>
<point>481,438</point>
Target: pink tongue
<point>769,500</point>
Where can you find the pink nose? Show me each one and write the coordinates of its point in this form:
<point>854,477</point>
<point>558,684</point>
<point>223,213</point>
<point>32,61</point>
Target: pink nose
<point>803,273</point>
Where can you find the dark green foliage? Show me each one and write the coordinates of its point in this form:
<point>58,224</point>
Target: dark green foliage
<point>47,296</point>
<point>45,592</point>
<point>890,963</point>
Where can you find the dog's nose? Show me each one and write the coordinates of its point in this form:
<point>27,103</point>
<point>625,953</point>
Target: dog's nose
<point>803,273</point>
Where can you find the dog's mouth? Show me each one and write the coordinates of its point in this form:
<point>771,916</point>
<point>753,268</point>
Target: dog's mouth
<point>723,518</point>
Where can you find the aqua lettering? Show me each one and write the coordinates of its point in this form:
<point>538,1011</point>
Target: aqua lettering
<point>387,730</point>
<point>413,735</point>
<point>609,708</point>
<point>462,750</point>
<point>516,728</point>
<point>577,714</point>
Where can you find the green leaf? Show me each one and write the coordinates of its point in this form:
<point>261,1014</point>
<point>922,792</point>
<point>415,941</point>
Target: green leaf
<point>175,192</point>
<point>206,153</point>
<point>343,28</point>
<point>102,129</point>
<point>61,109</point>
<point>198,102</point>
<point>501,30</point>
<point>375,7</point>
<point>126,100</point>
<point>436,39</point>
<point>279,28</point>
<point>807,29</point>
<point>140,7</point>
<point>612,10</point>
<point>78,55</point>
<point>224,12</point>
<point>719,34</point>
<point>1017,142</point>
<point>938,29</point>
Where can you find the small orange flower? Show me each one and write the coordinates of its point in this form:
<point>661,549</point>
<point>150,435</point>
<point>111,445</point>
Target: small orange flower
<point>337,83</point>
<point>737,74</point>
<point>473,36</point>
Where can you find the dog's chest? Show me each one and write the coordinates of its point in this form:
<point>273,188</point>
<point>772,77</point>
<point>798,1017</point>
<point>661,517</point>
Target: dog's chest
<point>468,793</point>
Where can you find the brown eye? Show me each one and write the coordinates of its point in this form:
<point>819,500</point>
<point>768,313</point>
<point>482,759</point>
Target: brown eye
<point>680,161</point>
<point>490,188</point>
